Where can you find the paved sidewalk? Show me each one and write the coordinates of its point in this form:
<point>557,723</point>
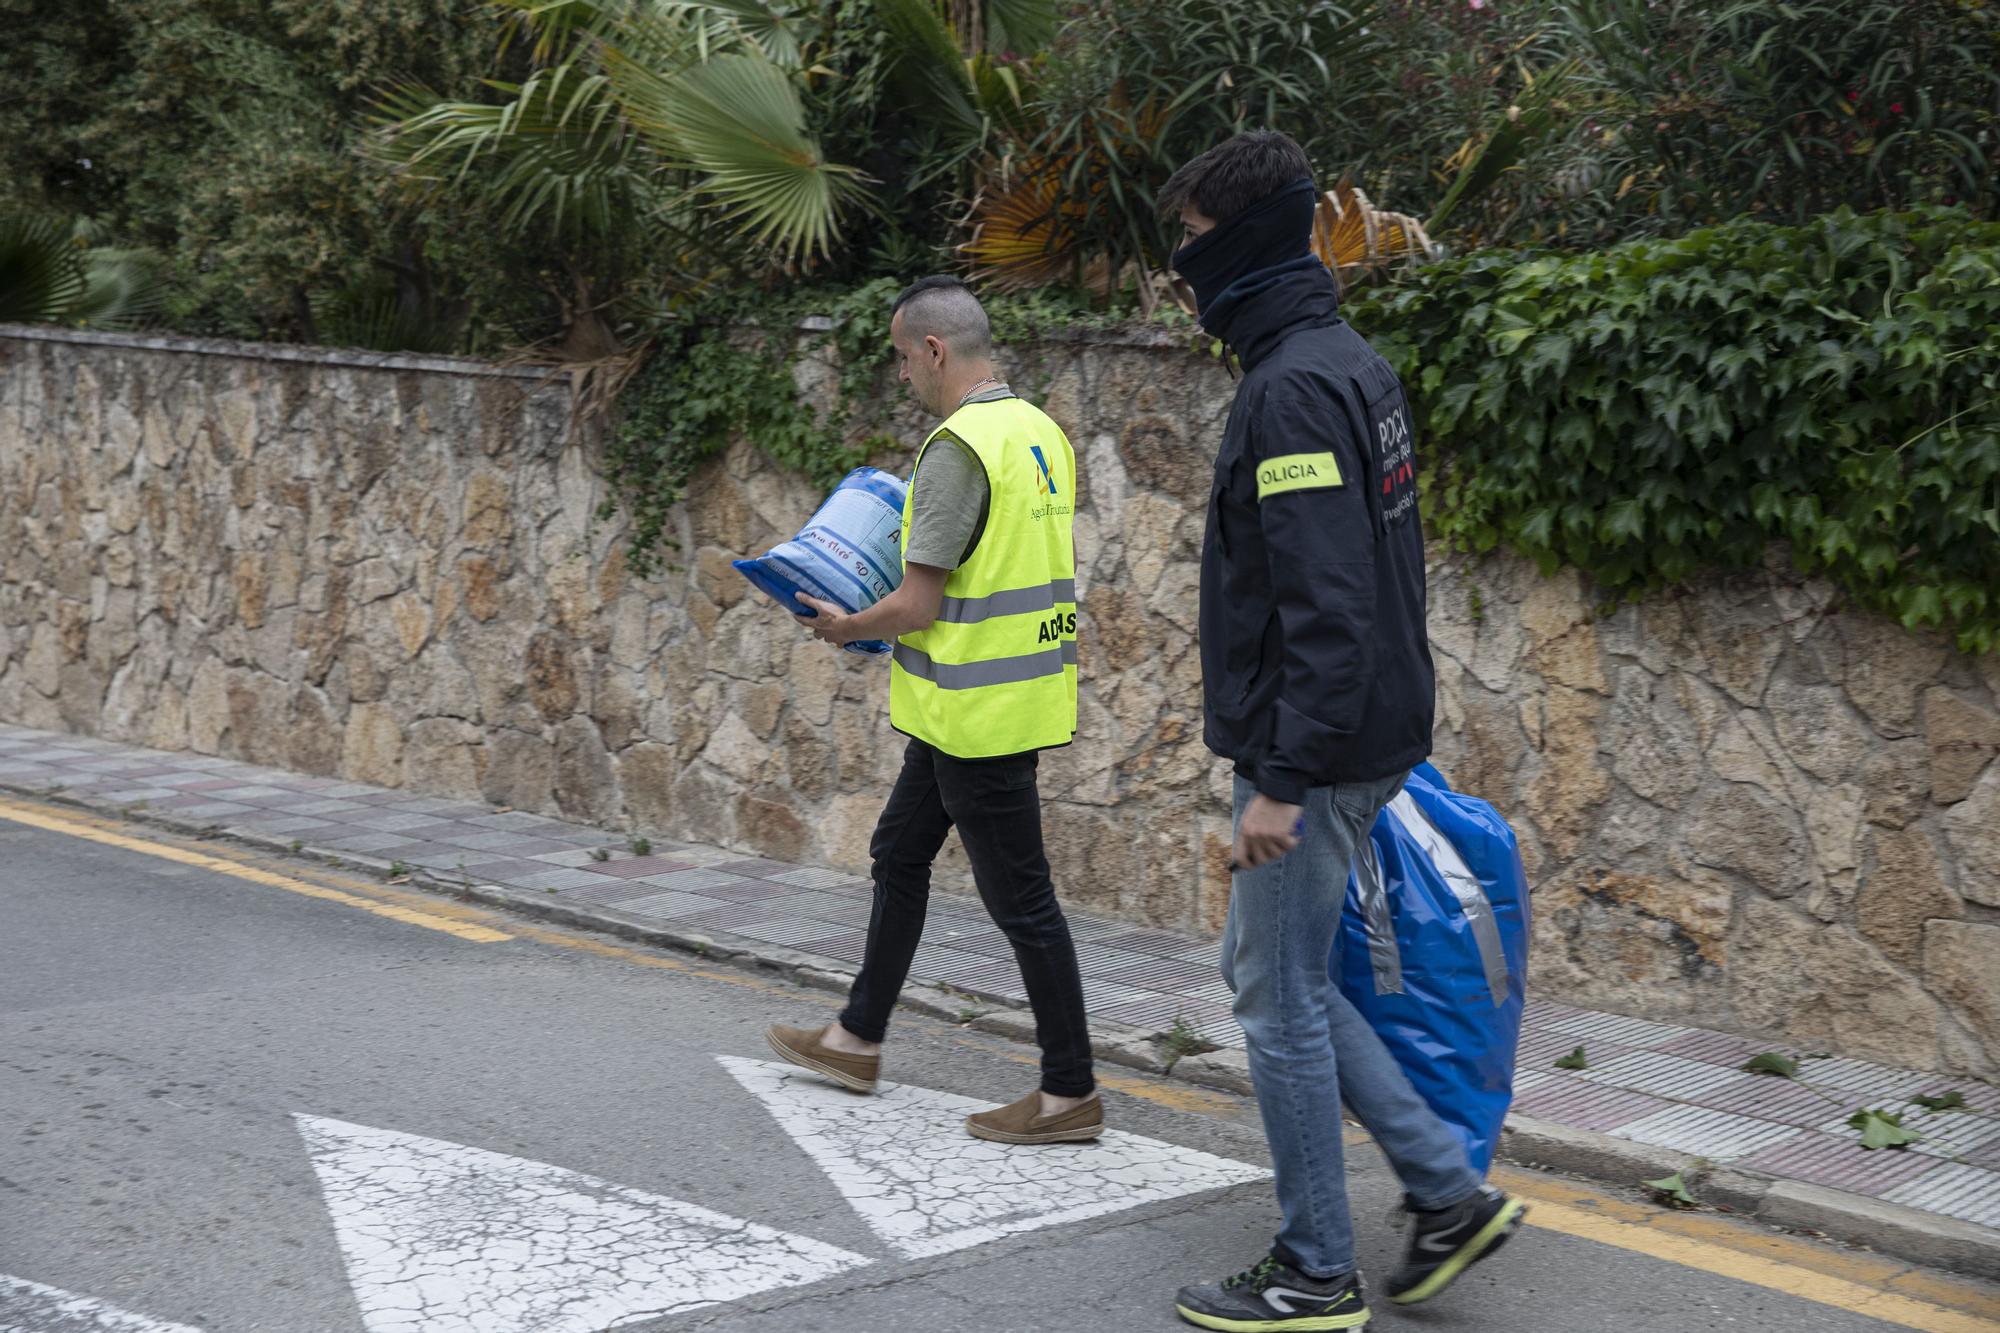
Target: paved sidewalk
<point>1651,1085</point>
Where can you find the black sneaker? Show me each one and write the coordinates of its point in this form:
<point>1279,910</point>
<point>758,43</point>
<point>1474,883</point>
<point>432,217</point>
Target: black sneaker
<point>1275,1295</point>
<point>1445,1243</point>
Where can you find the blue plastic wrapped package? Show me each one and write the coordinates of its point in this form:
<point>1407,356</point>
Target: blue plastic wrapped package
<point>849,553</point>
<point>1433,950</point>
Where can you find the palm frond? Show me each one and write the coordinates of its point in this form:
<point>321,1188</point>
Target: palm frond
<point>560,29</point>
<point>737,122</point>
<point>1020,26</point>
<point>930,69</point>
<point>997,92</point>
<point>1480,163</point>
<point>42,270</point>
<point>1352,236</point>
<point>780,31</point>
<point>558,153</point>
<point>123,289</point>
<point>1023,232</point>
<point>374,315</point>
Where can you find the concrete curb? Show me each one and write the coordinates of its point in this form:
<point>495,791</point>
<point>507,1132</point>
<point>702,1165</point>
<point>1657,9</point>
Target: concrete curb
<point>1907,1233</point>
<point>1888,1228</point>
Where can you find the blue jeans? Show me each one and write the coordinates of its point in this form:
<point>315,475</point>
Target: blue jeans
<point>1310,1049</point>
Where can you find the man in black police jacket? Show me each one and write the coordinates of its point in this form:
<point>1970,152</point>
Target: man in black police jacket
<point>1319,689</point>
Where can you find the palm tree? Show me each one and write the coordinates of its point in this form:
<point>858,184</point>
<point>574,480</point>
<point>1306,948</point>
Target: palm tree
<point>679,131</point>
<point>644,125</point>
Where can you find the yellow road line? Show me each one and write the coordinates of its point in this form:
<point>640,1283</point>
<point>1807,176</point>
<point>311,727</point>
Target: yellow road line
<point>1730,1262</point>
<point>1925,1290</point>
<point>92,831</point>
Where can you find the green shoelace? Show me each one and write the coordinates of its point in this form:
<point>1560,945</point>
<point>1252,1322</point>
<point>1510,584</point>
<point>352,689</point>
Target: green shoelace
<point>1257,1277</point>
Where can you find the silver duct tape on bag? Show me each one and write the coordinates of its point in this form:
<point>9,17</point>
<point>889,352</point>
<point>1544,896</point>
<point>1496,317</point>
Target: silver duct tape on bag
<point>1464,885</point>
<point>1378,921</point>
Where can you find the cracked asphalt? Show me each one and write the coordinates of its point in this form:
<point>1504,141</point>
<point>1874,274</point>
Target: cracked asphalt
<point>162,1025</point>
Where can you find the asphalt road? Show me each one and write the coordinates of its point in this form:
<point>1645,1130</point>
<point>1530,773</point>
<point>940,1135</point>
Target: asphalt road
<point>228,1105</point>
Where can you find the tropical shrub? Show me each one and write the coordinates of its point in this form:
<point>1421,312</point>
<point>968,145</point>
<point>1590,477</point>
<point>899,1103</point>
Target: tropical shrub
<point>220,134</point>
<point>1785,109</point>
<point>1670,406</point>
<point>1568,122</point>
<point>1129,90</point>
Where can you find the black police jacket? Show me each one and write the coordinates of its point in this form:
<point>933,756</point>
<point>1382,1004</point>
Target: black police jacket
<point>1315,661</point>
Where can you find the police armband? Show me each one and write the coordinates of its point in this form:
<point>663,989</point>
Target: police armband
<point>1297,472</point>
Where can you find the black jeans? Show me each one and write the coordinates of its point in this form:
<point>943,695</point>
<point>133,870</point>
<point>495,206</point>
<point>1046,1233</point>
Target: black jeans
<point>999,817</point>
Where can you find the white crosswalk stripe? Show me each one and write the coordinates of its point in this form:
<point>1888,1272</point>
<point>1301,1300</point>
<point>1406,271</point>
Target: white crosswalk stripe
<point>30,1307</point>
<point>442,1238</point>
<point>903,1160</point>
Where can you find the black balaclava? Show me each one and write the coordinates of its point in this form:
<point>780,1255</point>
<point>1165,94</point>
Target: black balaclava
<point>1249,253</point>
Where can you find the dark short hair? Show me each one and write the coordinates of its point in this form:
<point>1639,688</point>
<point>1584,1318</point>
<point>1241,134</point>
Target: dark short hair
<point>945,308</point>
<point>1235,174</point>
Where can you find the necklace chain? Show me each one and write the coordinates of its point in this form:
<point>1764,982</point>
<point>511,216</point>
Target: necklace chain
<point>976,388</point>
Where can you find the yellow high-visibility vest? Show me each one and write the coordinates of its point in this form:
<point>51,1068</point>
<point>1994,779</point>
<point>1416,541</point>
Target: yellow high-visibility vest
<point>996,673</point>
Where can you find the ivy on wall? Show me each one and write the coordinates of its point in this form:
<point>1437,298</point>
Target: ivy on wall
<point>1644,413</point>
<point>723,371</point>
<point>1662,408</point>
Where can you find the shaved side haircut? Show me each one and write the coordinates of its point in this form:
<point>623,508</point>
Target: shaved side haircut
<point>943,307</point>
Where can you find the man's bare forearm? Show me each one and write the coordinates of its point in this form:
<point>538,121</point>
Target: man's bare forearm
<point>895,615</point>
<point>911,607</point>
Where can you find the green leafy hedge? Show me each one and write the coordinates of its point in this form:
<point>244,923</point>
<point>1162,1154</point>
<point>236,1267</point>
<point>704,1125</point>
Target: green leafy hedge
<point>1665,407</point>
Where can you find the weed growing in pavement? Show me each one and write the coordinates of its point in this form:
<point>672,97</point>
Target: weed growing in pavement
<point>641,845</point>
<point>971,1006</point>
<point>1182,1040</point>
<point>599,854</point>
<point>398,870</point>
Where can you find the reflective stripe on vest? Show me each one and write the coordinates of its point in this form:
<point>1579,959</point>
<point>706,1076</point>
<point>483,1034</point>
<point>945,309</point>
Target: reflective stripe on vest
<point>998,671</point>
<point>995,673</point>
<point>1013,602</point>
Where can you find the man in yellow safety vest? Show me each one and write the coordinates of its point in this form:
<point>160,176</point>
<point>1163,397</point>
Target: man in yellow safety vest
<point>982,679</point>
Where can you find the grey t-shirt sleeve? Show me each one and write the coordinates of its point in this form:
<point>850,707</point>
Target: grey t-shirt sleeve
<point>948,505</point>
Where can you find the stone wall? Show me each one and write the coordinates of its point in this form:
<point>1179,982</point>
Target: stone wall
<point>1741,805</point>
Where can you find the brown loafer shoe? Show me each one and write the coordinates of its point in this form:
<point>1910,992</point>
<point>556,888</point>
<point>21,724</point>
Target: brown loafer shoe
<point>803,1048</point>
<point>1023,1122</point>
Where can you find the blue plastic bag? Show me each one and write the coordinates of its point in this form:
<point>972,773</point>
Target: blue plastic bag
<point>1433,950</point>
<point>849,553</point>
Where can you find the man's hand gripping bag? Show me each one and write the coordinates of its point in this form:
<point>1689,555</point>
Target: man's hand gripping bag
<point>1433,950</point>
